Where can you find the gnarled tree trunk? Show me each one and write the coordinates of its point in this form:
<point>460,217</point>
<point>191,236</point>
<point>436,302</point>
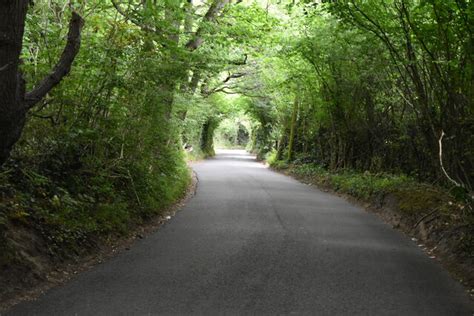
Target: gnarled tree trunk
<point>14,102</point>
<point>12,87</point>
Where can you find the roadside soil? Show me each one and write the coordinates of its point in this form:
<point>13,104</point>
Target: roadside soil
<point>430,233</point>
<point>28,285</point>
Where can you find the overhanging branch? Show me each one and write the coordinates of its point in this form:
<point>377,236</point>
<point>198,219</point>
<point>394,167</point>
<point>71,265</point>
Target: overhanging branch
<point>211,14</point>
<point>234,76</point>
<point>63,67</point>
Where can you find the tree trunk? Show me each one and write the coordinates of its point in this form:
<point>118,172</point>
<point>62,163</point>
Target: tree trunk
<point>12,87</point>
<point>291,141</point>
<point>207,137</point>
<point>14,102</point>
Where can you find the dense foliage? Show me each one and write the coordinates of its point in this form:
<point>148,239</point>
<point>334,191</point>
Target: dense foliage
<point>375,85</point>
<point>103,151</point>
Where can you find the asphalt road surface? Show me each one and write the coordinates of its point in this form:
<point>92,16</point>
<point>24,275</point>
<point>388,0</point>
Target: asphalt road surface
<point>254,242</point>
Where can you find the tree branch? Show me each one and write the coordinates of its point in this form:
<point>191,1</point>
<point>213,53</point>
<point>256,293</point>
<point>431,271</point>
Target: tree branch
<point>240,62</point>
<point>440,141</point>
<point>215,8</point>
<point>133,20</point>
<point>63,67</point>
<point>234,76</point>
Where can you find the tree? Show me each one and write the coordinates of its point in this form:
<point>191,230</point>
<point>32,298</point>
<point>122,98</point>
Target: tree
<point>15,101</point>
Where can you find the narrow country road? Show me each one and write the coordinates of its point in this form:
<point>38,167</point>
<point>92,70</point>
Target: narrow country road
<point>253,241</point>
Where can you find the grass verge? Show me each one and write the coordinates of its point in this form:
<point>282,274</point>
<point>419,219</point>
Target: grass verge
<point>51,222</point>
<point>440,222</point>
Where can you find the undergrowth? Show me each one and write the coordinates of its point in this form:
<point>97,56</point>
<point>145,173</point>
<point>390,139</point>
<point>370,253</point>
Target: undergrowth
<point>414,200</point>
<point>72,210</point>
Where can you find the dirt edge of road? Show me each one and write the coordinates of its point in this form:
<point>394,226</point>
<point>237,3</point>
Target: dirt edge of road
<point>61,274</point>
<point>424,233</point>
